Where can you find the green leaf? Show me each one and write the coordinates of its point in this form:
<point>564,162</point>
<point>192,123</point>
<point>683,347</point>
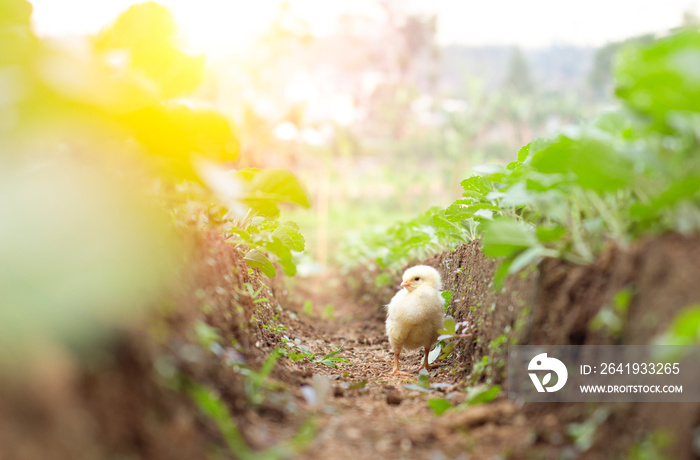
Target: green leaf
<point>525,258</point>
<point>439,405</point>
<point>211,405</point>
<point>447,349</point>
<point>687,324</point>
<point>548,234</point>
<point>447,297</point>
<point>448,326</point>
<point>501,273</point>
<point>503,237</point>
<point>424,378</point>
<point>475,184</point>
<point>290,235</point>
<point>596,166</point>
<point>661,77</point>
<point>269,363</point>
<point>523,153</point>
<point>257,260</point>
<point>278,248</point>
<point>676,192</point>
<point>458,211</point>
<point>266,188</point>
<point>482,394</point>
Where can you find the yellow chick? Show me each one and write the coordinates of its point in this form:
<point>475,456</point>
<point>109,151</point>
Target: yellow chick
<point>415,314</point>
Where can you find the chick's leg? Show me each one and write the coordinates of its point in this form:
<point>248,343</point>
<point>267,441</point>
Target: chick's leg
<point>397,353</point>
<point>425,360</point>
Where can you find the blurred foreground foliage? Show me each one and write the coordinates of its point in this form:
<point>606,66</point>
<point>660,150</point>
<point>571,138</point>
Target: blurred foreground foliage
<point>633,171</point>
<point>99,156</point>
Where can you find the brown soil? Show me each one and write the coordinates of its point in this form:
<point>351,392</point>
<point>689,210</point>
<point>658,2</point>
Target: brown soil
<point>130,399</point>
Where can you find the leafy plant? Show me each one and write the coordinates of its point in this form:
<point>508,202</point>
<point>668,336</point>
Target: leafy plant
<point>296,351</point>
<point>257,382</point>
<point>211,404</point>
<point>630,172</point>
<point>450,333</point>
<point>266,238</point>
<point>330,360</point>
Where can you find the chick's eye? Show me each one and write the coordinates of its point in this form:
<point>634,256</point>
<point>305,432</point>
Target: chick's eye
<point>416,278</point>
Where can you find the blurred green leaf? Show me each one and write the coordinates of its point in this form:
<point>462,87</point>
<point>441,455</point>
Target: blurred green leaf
<point>147,31</point>
<point>475,184</point>
<point>267,188</point>
<point>686,325</point>
<point>256,259</point>
<point>501,273</point>
<point>211,405</point>
<point>448,326</point>
<point>447,297</point>
<point>439,405</point>
<point>546,234</point>
<point>458,211</point>
<point>661,77</point>
<point>504,236</point>
<point>482,394</point>
<point>685,189</point>
<point>289,234</point>
<point>206,335</point>
<point>597,166</point>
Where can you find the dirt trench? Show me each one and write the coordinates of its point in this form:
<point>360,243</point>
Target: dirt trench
<point>374,414</point>
<point>133,397</point>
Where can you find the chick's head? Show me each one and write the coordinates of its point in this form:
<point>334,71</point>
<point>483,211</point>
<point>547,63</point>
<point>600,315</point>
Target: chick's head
<point>419,276</point>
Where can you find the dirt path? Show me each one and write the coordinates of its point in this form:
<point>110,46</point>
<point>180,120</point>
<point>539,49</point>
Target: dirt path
<point>172,387</point>
<point>370,413</point>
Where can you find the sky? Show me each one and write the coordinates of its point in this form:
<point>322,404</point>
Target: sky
<point>216,26</point>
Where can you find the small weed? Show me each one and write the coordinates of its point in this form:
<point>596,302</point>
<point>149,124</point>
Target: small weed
<point>308,308</point>
<point>611,318</point>
<point>583,433</point>
<point>214,407</point>
<point>328,312</point>
<point>276,329</point>
<point>330,360</point>
<point>652,446</point>
<point>450,333</point>
<point>447,296</point>
<point>206,335</point>
<point>295,350</point>
<point>256,382</point>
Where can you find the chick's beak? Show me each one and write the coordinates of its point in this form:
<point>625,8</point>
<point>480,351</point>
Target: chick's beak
<point>405,283</point>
